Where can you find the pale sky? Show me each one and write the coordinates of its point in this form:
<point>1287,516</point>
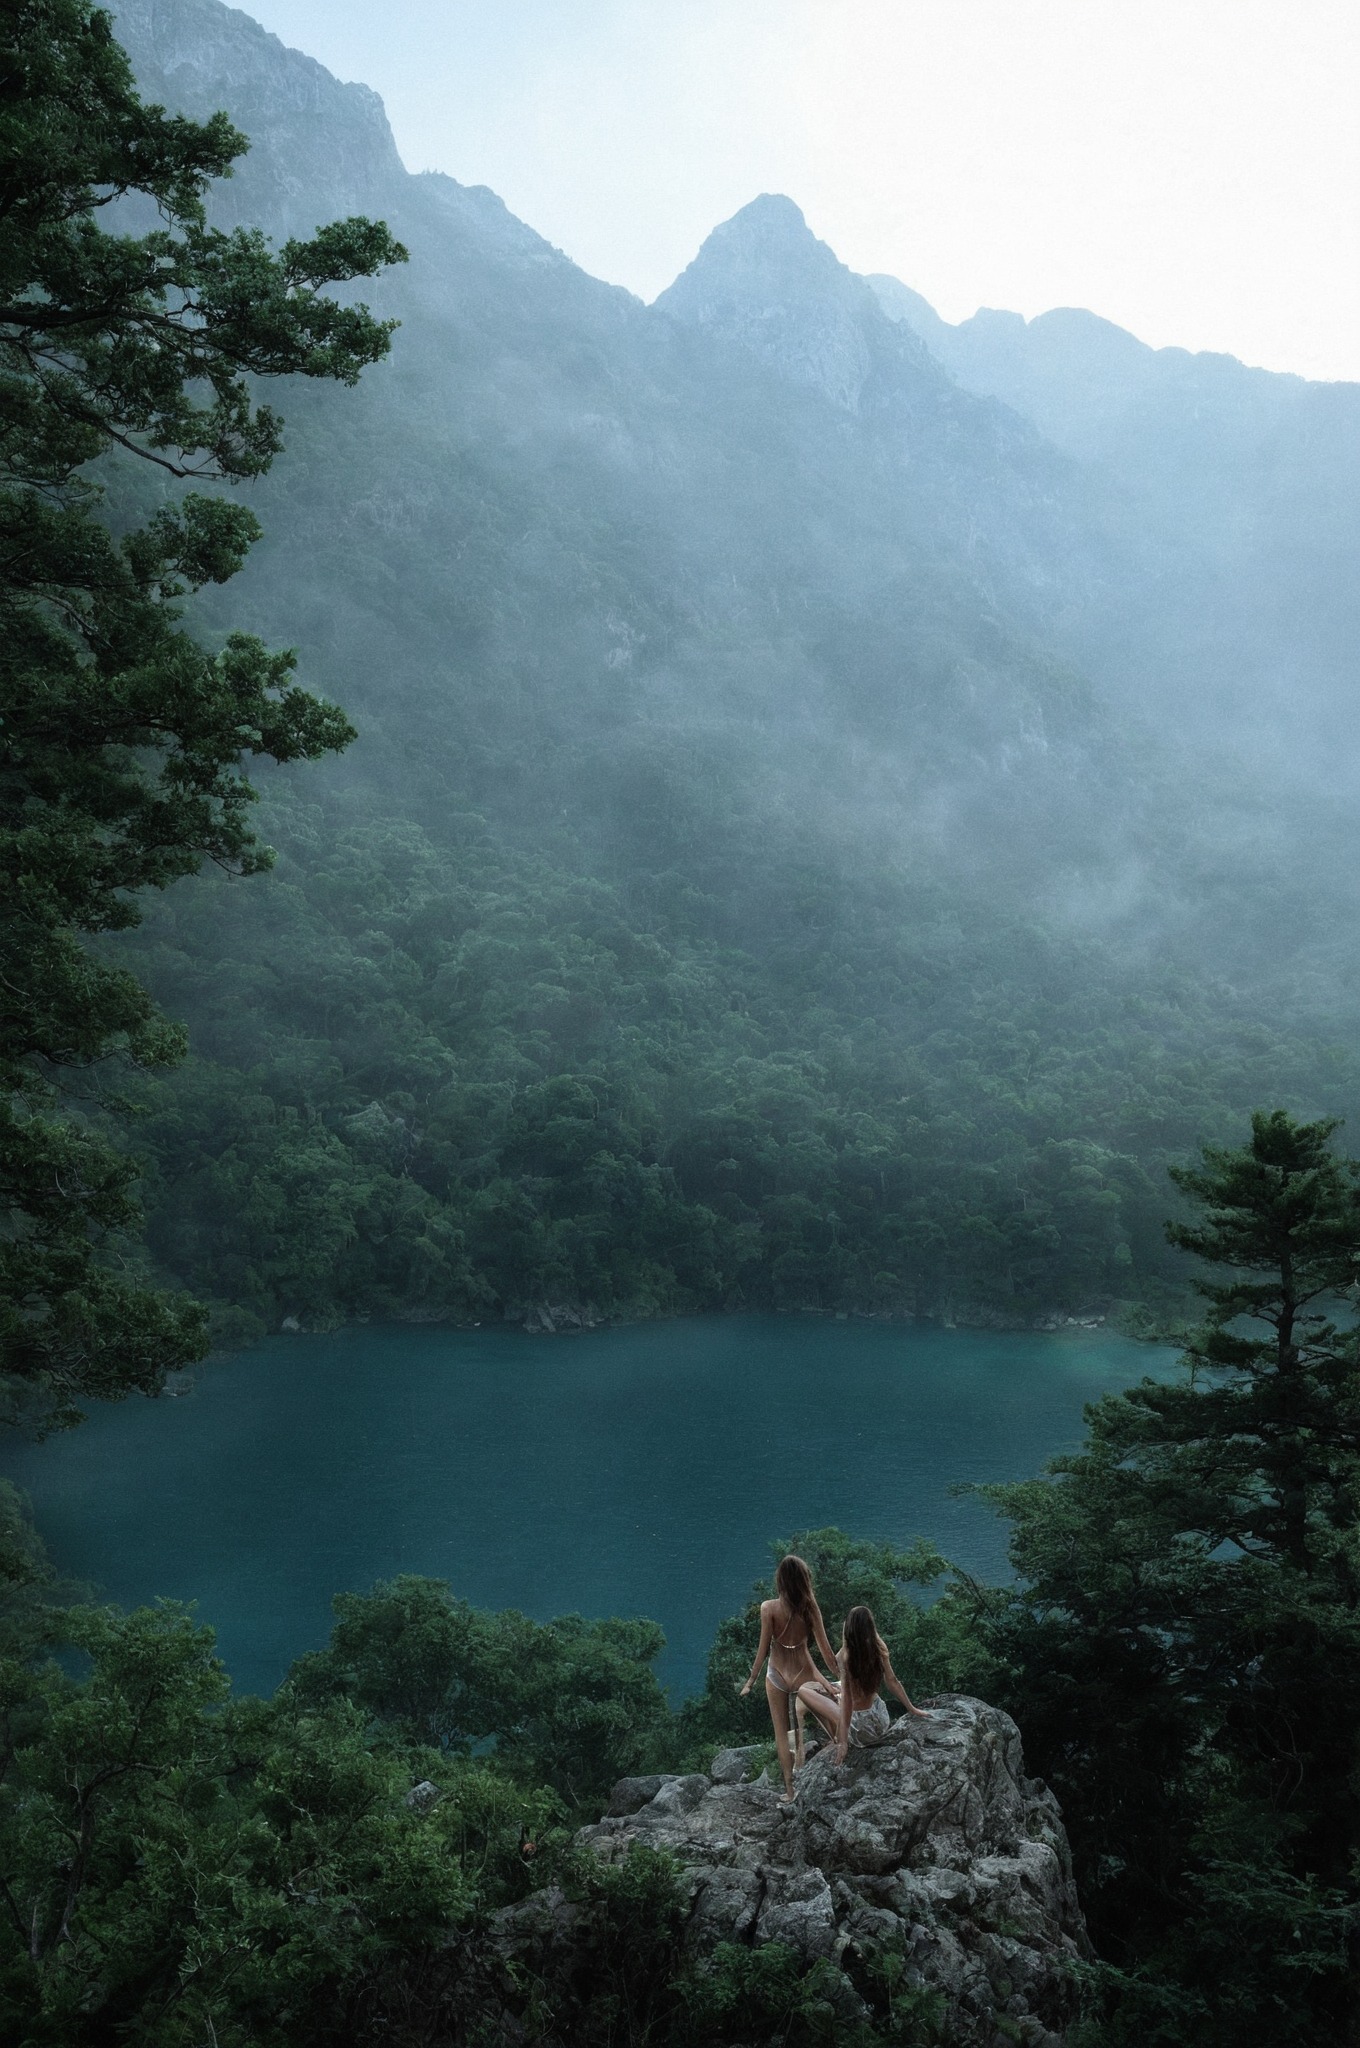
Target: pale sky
<point>1188,168</point>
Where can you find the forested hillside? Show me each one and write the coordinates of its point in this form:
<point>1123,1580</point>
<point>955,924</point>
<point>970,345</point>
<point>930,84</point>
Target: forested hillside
<point>760,876</point>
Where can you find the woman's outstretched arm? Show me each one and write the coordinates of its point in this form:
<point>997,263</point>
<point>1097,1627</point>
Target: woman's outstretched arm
<point>819,1631</point>
<point>766,1624</point>
<point>894,1683</point>
<point>843,1719</point>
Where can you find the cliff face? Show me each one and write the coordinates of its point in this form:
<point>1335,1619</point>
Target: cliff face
<point>310,134</point>
<point>935,1847</point>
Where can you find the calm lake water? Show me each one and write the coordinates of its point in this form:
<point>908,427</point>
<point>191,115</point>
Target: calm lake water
<point>643,1470</point>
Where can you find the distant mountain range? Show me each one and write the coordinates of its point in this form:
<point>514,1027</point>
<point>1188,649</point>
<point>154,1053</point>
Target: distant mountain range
<point>1243,490</point>
<point>931,678</point>
<point>1196,550</point>
<point>602,503</point>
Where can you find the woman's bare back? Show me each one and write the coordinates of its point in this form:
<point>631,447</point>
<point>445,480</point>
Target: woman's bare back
<point>790,1643</point>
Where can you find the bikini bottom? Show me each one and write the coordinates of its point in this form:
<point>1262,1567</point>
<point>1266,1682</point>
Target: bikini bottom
<point>791,1685</point>
<point>869,1725</point>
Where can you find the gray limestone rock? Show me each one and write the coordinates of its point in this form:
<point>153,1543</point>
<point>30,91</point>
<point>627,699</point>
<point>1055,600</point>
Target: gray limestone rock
<point>935,1845</point>
<point>734,1766</point>
<point>631,1793</point>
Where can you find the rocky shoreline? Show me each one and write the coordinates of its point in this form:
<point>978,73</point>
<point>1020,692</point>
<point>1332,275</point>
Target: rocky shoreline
<point>550,1318</point>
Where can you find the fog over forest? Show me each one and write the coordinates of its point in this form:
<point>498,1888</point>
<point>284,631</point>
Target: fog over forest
<point>841,800</point>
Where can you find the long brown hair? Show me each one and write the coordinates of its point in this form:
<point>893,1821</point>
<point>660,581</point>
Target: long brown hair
<point>793,1584</point>
<point>863,1658</point>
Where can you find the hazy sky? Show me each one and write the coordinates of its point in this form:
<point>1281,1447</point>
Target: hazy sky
<point>1189,168</point>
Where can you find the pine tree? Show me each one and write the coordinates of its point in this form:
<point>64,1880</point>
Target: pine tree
<point>1278,1406</point>
<point>1185,1641</point>
<point>122,741</point>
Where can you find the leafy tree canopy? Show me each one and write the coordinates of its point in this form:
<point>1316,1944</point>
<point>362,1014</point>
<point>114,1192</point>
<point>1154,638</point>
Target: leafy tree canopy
<point>124,739</point>
<point>571,1704</point>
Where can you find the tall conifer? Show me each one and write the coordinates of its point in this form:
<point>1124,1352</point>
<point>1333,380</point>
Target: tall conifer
<point>1185,1642</point>
<point>122,741</point>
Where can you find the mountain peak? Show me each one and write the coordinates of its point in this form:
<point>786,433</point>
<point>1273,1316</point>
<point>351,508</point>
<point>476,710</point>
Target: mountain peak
<point>767,243</point>
<point>771,217</point>
<point>763,280</point>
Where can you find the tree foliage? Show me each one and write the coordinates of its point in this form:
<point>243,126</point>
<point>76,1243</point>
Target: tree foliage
<point>178,1866</point>
<point>571,1704</point>
<point>321,1869</point>
<point>124,739</point>
<point>1184,1645</point>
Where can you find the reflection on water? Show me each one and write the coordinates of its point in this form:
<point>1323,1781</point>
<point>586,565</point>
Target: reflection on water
<point>629,1471</point>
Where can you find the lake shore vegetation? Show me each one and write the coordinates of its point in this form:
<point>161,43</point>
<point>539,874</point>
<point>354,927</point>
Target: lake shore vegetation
<point>1179,1645</point>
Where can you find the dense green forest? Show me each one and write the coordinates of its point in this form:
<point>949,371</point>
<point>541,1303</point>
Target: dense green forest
<point>446,1077</point>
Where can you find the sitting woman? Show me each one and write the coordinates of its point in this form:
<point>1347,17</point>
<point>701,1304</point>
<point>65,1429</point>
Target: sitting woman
<point>859,1717</point>
<point>788,1626</point>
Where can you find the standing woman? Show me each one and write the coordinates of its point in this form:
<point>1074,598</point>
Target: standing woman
<point>789,1624</point>
<point>857,1717</point>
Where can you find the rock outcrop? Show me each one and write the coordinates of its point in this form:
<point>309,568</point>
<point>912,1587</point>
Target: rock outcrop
<point>935,1845</point>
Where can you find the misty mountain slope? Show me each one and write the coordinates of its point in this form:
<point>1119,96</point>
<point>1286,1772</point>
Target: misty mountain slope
<point>1232,501</point>
<point>720,903</point>
<point>1141,552</point>
<point>608,524</point>
<point>310,133</point>
<point>765,284</point>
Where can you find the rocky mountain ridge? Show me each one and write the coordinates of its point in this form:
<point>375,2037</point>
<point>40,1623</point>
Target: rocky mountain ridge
<point>310,133</point>
<point>1182,526</point>
<point>596,432</point>
<point>1232,499</point>
<point>764,281</point>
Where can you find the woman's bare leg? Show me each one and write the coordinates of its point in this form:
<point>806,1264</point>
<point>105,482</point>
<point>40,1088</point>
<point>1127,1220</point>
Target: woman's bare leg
<point>823,1704</point>
<point>779,1714</point>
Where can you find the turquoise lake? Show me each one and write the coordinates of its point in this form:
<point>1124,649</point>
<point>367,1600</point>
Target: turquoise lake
<point>642,1470</point>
